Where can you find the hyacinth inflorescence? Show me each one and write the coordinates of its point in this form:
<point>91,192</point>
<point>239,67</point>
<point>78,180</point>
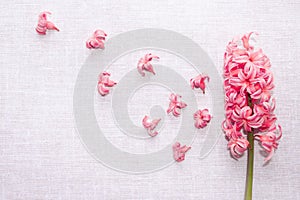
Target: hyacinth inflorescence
<point>249,105</point>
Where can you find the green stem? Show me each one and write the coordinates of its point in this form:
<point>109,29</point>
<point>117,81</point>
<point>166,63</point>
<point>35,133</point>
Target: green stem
<point>250,158</point>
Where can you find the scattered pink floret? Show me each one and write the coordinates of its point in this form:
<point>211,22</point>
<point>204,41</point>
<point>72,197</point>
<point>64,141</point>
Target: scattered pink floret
<point>145,65</point>
<point>104,83</point>
<point>150,125</point>
<point>179,151</point>
<point>199,82</point>
<point>175,105</point>
<point>97,40</point>
<point>44,24</point>
<point>202,118</point>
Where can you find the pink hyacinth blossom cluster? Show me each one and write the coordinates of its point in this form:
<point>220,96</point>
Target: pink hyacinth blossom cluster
<point>179,151</point>
<point>175,105</point>
<point>199,82</point>
<point>44,25</point>
<point>150,125</point>
<point>97,40</point>
<point>202,118</point>
<point>248,84</point>
<point>144,64</point>
<point>104,83</point>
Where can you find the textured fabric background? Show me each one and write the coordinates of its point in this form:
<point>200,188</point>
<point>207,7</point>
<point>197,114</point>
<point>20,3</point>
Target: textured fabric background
<point>41,156</point>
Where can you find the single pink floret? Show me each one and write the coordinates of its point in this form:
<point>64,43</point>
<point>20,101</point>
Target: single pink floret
<point>179,151</point>
<point>97,40</point>
<point>44,24</point>
<point>104,83</point>
<point>175,105</point>
<point>150,125</point>
<point>202,118</point>
<point>145,65</point>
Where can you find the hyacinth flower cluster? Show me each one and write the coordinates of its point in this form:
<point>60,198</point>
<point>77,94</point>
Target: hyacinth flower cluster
<point>249,105</point>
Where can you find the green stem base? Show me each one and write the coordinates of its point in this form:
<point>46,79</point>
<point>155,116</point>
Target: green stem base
<point>250,160</point>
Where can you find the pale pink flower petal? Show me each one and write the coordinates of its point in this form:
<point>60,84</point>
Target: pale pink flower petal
<point>97,40</point>
<point>145,65</point>
<point>44,24</point>
<point>104,83</point>
<point>199,82</point>
<point>175,105</point>
<point>150,125</point>
<point>202,118</point>
<point>179,151</point>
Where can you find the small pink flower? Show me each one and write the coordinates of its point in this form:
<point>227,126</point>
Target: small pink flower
<point>175,105</point>
<point>97,40</point>
<point>202,118</point>
<point>179,151</point>
<point>233,101</point>
<point>231,131</point>
<point>145,65</point>
<point>150,125</point>
<point>246,118</point>
<point>199,82</point>
<point>44,24</point>
<point>238,147</point>
<point>269,142</point>
<point>104,82</point>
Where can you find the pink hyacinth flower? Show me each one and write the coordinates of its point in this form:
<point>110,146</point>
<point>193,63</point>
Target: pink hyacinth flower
<point>150,125</point>
<point>175,105</point>
<point>199,82</point>
<point>238,147</point>
<point>145,65</point>
<point>97,40</point>
<point>202,118</point>
<point>104,83</point>
<point>246,118</point>
<point>44,24</point>
<point>269,142</point>
<point>179,151</point>
<point>248,84</point>
<point>231,131</point>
